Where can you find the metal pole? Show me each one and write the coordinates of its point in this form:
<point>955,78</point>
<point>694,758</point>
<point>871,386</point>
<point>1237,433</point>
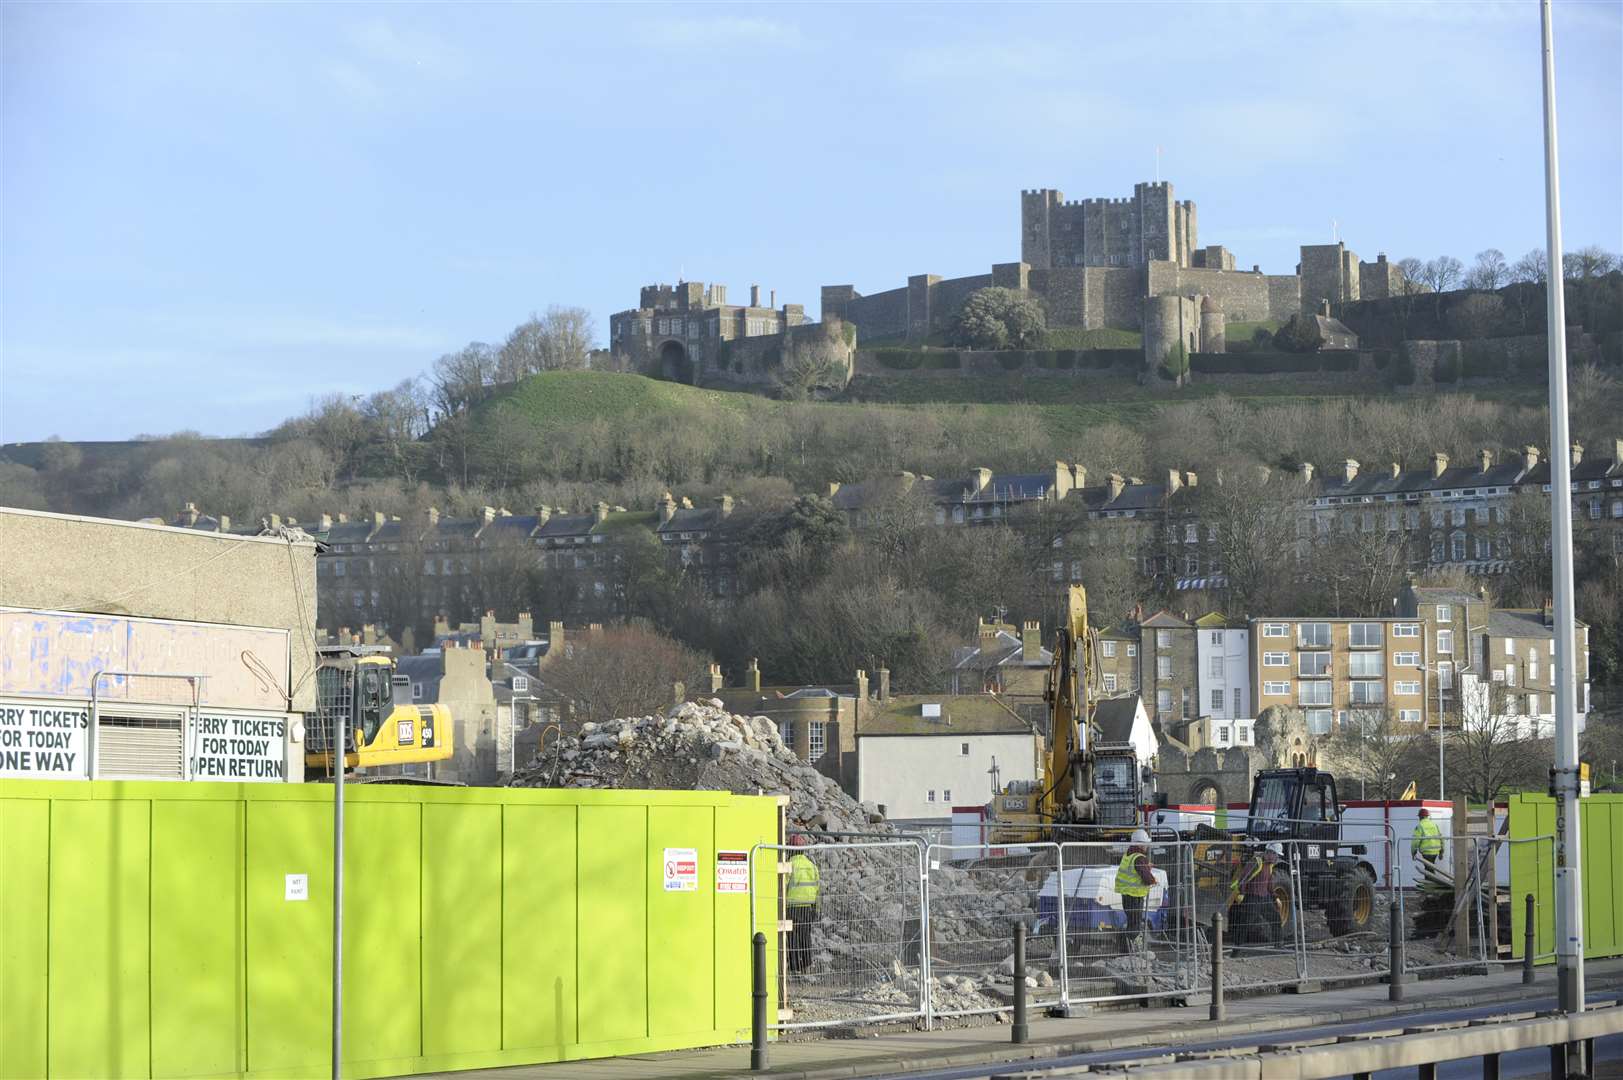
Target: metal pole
<point>1569,927</point>
<point>339,756</point>
<point>1217,1011</point>
<point>1020,1031</point>
<point>1529,941</point>
<point>758,1002</point>
<point>1394,982</point>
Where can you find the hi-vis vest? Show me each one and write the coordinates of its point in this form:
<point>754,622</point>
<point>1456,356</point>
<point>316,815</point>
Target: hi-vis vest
<point>1428,837</point>
<point>1128,883</point>
<point>802,881</point>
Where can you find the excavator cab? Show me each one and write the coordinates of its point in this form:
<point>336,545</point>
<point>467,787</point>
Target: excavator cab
<point>355,687</point>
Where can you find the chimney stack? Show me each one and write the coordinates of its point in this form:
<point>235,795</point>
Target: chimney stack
<point>1439,464</point>
<point>433,517</point>
<point>1349,471</point>
<point>326,522</point>
<point>755,296</point>
<point>1484,458</point>
<point>225,522</point>
<point>715,678</point>
<point>862,685</point>
<point>884,685</point>
<point>1577,453</point>
<point>488,513</point>
<point>752,676</point>
<point>1324,307</point>
<point>555,635</point>
<point>983,477</point>
<point>831,489</point>
<point>189,515</point>
<point>1117,485</point>
<point>1617,455</point>
<point>1031,642</point>
<point>600,512</point>
<point>1549,612</point>
<point>1397,470</point>
<point>1190,479</point>
<point>725,502</point>
<point>543,514</point>
<point>774,294</point>
<point>1079,477</point>
<point>666,506</point>
<point>1174,480</point>
<point>1529,458</point>
<point>1306,471</point>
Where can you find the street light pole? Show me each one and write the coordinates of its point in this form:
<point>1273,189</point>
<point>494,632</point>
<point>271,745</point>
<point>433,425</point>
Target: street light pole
<point>1569,941</point>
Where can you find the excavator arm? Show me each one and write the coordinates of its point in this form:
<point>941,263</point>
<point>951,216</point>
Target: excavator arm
<point>1068,779</point>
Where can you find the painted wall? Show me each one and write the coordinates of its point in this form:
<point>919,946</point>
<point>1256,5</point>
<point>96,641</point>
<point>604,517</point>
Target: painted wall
<point>146,929</point>
<point>900,771</point>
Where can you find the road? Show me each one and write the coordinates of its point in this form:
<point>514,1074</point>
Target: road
<point>1522,1064</point>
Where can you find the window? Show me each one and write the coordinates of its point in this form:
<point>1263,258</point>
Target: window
<point>1110,682</point>
<point>1510,646</point>
<point>1367,665</point>
<point>1217,637</point>
<point>1594,509</point>
<point>1406,659</point>
<point>1456,547</point>
<point>1411,518</point>
<point>1163,639</point>
<point>1364,635</point>
<point>1532,667</point>
<point>1313,693</point>
<point>1408,688</point>
<point>1108,648</point>
<point>1163,667</point>
<point>521,684</point>
<point>946,795</point>
<point>1408,629</point>
<point>1276,629</point>
<point>1276,689</point>
<point>1076,569</point>
<point>1391,521</point>
<point>1437,519</point>
<point>1163,702</point>
<point>1237,701</point>
<point>1445,642</point>
<point>786,731</point>
<point>1366,692</point>
<point>1445,613</point>
<point>1318,721</point>
<point>1445,676</point>
<point>1510,674</point>
<point>1313,635</point>
<point>1132,648</point>
<point>1409,716</point>
<point>338,571</point>
<point>1217,701</point>
<point>1367,524</point>
<point>819,739</point>
<point>1216,667</point>
<point>1191,534</point>
<point>1058,570</point>
<point>1191,564</point>
<point>928,798</point>
<point>1220,734</point>
<point>958,515</point>
<point>940,515</point>
<point>1276,659</point>
<point>1458,516</point>
<point>1313,663</point>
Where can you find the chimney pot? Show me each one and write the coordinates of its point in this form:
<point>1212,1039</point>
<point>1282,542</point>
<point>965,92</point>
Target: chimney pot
<point>1349,471</point>
<point>1485,459</point>
<point>1117,485</point>
<point>1577,453</point>
<point>1306,471</point>
<point>884,684</point>
<point>1190,479</point>
<point>1174,480</point>
<point>753,676</point>
<point>1530,455</point>
<point>1439,464</point>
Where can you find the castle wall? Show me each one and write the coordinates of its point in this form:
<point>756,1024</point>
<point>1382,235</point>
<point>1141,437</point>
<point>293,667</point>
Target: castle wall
<point>1284,295</point>
<point>1378,280</point>
<point>1328,272</point>
<point>1244,297</point>
<point>947,295</point>
<point>755,362</point>
<point>1114,297</point>
<point>882,315</point>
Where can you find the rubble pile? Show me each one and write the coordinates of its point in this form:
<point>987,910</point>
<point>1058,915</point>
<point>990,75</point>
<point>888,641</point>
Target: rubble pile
<point>697,746</point>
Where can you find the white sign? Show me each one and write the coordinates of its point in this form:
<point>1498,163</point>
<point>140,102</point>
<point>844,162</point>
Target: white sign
<point>42,740</point>
<point>732,871</point>
<point>238,747</point>
<point>297,888</point>
<point>681,869</point>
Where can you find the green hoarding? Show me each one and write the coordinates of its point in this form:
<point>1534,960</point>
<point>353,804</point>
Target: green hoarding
<point>1532,870</point>
<point>180,930</point>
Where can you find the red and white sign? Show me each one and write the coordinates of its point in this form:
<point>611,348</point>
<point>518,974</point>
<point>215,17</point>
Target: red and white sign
<point>732,871</point>
<point>681,869</point>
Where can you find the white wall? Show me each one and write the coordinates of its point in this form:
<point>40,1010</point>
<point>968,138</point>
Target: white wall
<point>1233,649</point>
<point>900,771</point>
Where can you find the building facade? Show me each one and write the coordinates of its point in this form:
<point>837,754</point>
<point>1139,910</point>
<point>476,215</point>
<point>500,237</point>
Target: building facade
<point>1223,658</point>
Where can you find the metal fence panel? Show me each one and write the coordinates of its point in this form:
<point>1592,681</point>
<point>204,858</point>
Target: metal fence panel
<point>857,954</point>
<point>977,895</point>
<point>1113,952</point>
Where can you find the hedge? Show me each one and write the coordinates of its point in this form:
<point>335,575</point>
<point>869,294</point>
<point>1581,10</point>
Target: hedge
<point>1402,371</point>
<point>900,359</point>
<point>940,361</point>
<point>1269,363</point>
<point>1012,361</point>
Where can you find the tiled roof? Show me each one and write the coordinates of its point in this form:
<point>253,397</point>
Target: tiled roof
<point>1115,716</point>
<point>961,714</point>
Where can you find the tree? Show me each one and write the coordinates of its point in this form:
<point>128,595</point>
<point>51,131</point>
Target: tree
<point>1476,316</point>
<point>1532,268</point>
<point>644,583</point>
<point>811,363</point>
<point>1494,749</point>
<point>622,671</point>
<point>1378,751</point>
<point>997,318</point>
<point>1300,334</point>
<point>560,340</point>
<point>1489,271</point>
<point>1441,275</point>
<point>1254,515</point>
<point>1411,283</point>
<point>1587,262</point>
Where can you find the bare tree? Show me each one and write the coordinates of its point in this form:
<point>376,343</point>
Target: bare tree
<point>1587,262</point>
<point>1441,275</point>
<point>1476,316</point>
<point>622,671</point>
<point>1532,268</point>
<point>1378,750</point>
<point>1254,514</point>
<point>1489,271</point>
<point>1493,749</point>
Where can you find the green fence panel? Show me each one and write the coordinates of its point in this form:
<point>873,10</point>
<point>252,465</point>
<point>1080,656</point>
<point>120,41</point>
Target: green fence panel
<point>1601,863</point>
<point>151,929</point>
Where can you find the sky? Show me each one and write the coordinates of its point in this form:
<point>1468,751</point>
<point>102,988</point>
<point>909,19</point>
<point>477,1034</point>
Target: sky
<point>212,215</point>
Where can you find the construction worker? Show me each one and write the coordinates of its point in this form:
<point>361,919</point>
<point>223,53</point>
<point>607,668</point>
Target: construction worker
<point>1428,838</point>
<point>801,902</point>
<point>1134,878</point>
<point>1251,898</point>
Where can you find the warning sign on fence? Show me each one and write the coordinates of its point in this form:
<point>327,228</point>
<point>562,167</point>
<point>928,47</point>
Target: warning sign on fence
<point>681,869</point>
<point>732,871</point>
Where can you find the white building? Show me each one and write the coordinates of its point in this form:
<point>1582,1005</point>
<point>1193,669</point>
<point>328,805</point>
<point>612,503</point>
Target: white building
<point>919,756</point>
<point>1223,656</point>
<point>1124,720</point>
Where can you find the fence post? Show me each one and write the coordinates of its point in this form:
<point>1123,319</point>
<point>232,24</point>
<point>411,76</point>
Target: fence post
<point>758,1002</point>
<point>1529,940</point>
<point>1217,1009</point>
<point>1064,932</point>
<point>1395,957</point>
<point>1020,1031</point>
<point>926,1004</point>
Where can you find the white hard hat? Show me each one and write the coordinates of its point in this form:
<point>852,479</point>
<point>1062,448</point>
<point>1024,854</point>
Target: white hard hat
<point>1140,836</point>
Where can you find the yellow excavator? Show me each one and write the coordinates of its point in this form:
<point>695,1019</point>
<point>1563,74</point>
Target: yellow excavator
<point>355,695</point>
<point>1085,780</point>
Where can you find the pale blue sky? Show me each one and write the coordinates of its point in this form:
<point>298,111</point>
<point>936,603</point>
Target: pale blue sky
<point>212,214</point>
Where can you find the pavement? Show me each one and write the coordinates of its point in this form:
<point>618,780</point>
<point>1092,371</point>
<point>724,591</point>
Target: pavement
<point>904,1050</point>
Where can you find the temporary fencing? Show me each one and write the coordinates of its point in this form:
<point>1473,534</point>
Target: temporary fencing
<point>913,930</point>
